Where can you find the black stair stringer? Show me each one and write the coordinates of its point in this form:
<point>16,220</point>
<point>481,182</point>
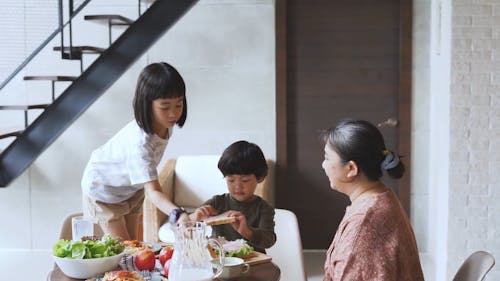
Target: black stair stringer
<point>105,70</point>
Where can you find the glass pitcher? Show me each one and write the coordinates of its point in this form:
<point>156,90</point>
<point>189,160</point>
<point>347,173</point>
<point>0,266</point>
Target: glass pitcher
<point>191,260</point>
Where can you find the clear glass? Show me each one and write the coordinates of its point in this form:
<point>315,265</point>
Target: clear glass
<point>81,226</point>
<point>191,260</point>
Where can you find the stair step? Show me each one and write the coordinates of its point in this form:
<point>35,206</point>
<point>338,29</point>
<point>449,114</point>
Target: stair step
<point>112,19</point>
<point>51,78</point>
<point>75,52</point>
<point>24,107</point>
<point>82,49</point>
<point>10,132</point>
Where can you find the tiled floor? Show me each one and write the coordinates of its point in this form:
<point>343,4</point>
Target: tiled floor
<point>13,265</point>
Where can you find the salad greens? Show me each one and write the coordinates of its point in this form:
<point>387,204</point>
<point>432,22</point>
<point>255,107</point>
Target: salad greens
<point>237,248</point>
<point>89,249</point>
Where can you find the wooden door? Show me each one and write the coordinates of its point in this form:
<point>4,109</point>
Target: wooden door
<point>337,59</point>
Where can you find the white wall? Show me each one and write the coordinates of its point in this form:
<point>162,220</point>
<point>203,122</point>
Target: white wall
<point>439,161</point>
<point>430,133</point>
<point>225,52</point>
<point>421,100</point>
<point>474,130</point>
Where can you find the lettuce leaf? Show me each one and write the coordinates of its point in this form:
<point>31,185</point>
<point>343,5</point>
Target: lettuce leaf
<point>237,248</point>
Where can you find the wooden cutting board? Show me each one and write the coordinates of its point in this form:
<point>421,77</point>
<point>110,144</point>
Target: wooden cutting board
<point>257,258</point>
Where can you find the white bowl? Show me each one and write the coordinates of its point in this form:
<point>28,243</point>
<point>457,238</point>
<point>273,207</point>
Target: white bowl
<point>87,268</point>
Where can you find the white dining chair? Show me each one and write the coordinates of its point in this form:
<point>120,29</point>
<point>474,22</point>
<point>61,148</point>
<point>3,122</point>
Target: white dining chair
<point>286,253</point>
<point>475,267</point>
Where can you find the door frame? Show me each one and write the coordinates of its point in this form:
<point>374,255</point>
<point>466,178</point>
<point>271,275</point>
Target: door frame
<point>404,101</point>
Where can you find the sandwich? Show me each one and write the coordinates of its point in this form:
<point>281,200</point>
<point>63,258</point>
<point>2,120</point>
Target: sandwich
<point>220,219</point>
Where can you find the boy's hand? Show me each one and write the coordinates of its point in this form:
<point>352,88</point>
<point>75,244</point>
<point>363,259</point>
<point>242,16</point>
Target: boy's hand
<point>240,225</point>
<point>203,212</point>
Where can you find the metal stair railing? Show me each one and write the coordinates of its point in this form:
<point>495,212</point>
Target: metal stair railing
<point>58,30</point>
<point>91,84</point>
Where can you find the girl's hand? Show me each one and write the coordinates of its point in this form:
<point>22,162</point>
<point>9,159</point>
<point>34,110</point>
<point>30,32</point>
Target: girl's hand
<point>184,218</point>
<point>240,225</point>
<point>203,212</point>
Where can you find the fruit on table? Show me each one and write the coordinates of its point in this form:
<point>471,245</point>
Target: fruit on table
<point>166,254</point>
<point>166,266</point>
<point>145,260</point>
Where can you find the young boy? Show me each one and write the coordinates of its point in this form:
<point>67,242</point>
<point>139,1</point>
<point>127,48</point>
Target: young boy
<point>243,166</point>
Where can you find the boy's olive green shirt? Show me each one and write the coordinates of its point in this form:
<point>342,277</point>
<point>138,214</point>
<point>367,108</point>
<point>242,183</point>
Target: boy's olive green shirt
<point>259,215</point>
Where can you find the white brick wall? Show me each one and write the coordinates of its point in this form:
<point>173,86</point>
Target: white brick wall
<point>474,217</point>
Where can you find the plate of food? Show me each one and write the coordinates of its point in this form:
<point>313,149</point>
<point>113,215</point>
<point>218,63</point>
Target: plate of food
<point>122,275</point>
<point>155,247</point>
<point>239,248</point>
<point>134,246</point>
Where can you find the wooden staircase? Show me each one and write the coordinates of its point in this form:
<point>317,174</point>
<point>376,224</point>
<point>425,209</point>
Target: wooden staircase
<point>112,62</point>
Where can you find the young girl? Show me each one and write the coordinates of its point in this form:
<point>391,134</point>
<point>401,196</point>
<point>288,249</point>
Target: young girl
<point>121,171</point>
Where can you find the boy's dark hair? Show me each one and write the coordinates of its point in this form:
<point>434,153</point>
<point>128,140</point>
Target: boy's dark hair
<point>243,158</point>
<point>360,141</point>
<point>157,80</point>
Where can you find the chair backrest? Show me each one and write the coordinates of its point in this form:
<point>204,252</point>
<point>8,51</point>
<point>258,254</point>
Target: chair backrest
<point>196,180</point>
<point>475,267</point>
<point>67,232</point>
<point>287,252</point>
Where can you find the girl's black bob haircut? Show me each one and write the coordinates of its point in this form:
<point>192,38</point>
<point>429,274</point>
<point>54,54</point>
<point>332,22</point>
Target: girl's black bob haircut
<point>243,158</point>
<point>157,81</point>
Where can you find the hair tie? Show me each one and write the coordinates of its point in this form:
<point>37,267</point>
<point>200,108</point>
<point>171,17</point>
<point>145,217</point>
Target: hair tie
<point>391,160</point>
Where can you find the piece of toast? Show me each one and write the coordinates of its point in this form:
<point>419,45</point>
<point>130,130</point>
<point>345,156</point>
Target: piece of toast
<point>220,219</point>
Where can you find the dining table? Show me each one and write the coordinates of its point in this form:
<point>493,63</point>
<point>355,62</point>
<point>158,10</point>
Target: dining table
<point>267,271</point>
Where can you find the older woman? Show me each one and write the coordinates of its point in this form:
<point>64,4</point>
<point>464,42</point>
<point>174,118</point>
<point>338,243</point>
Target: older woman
<point>375,240</point>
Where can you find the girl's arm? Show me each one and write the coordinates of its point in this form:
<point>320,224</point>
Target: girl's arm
<point>158,198</point>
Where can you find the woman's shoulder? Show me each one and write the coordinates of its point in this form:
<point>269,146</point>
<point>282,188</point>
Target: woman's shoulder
<point>374,206</point>
<point>384,210</point>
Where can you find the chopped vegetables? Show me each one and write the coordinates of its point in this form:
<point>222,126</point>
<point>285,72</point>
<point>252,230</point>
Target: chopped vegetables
<point>88,249</point>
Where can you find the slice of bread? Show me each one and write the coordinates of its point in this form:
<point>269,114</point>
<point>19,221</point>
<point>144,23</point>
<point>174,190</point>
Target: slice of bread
<point>220,219</point>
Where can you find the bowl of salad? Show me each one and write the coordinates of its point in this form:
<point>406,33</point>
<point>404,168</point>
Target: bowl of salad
<point>89,258</point>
